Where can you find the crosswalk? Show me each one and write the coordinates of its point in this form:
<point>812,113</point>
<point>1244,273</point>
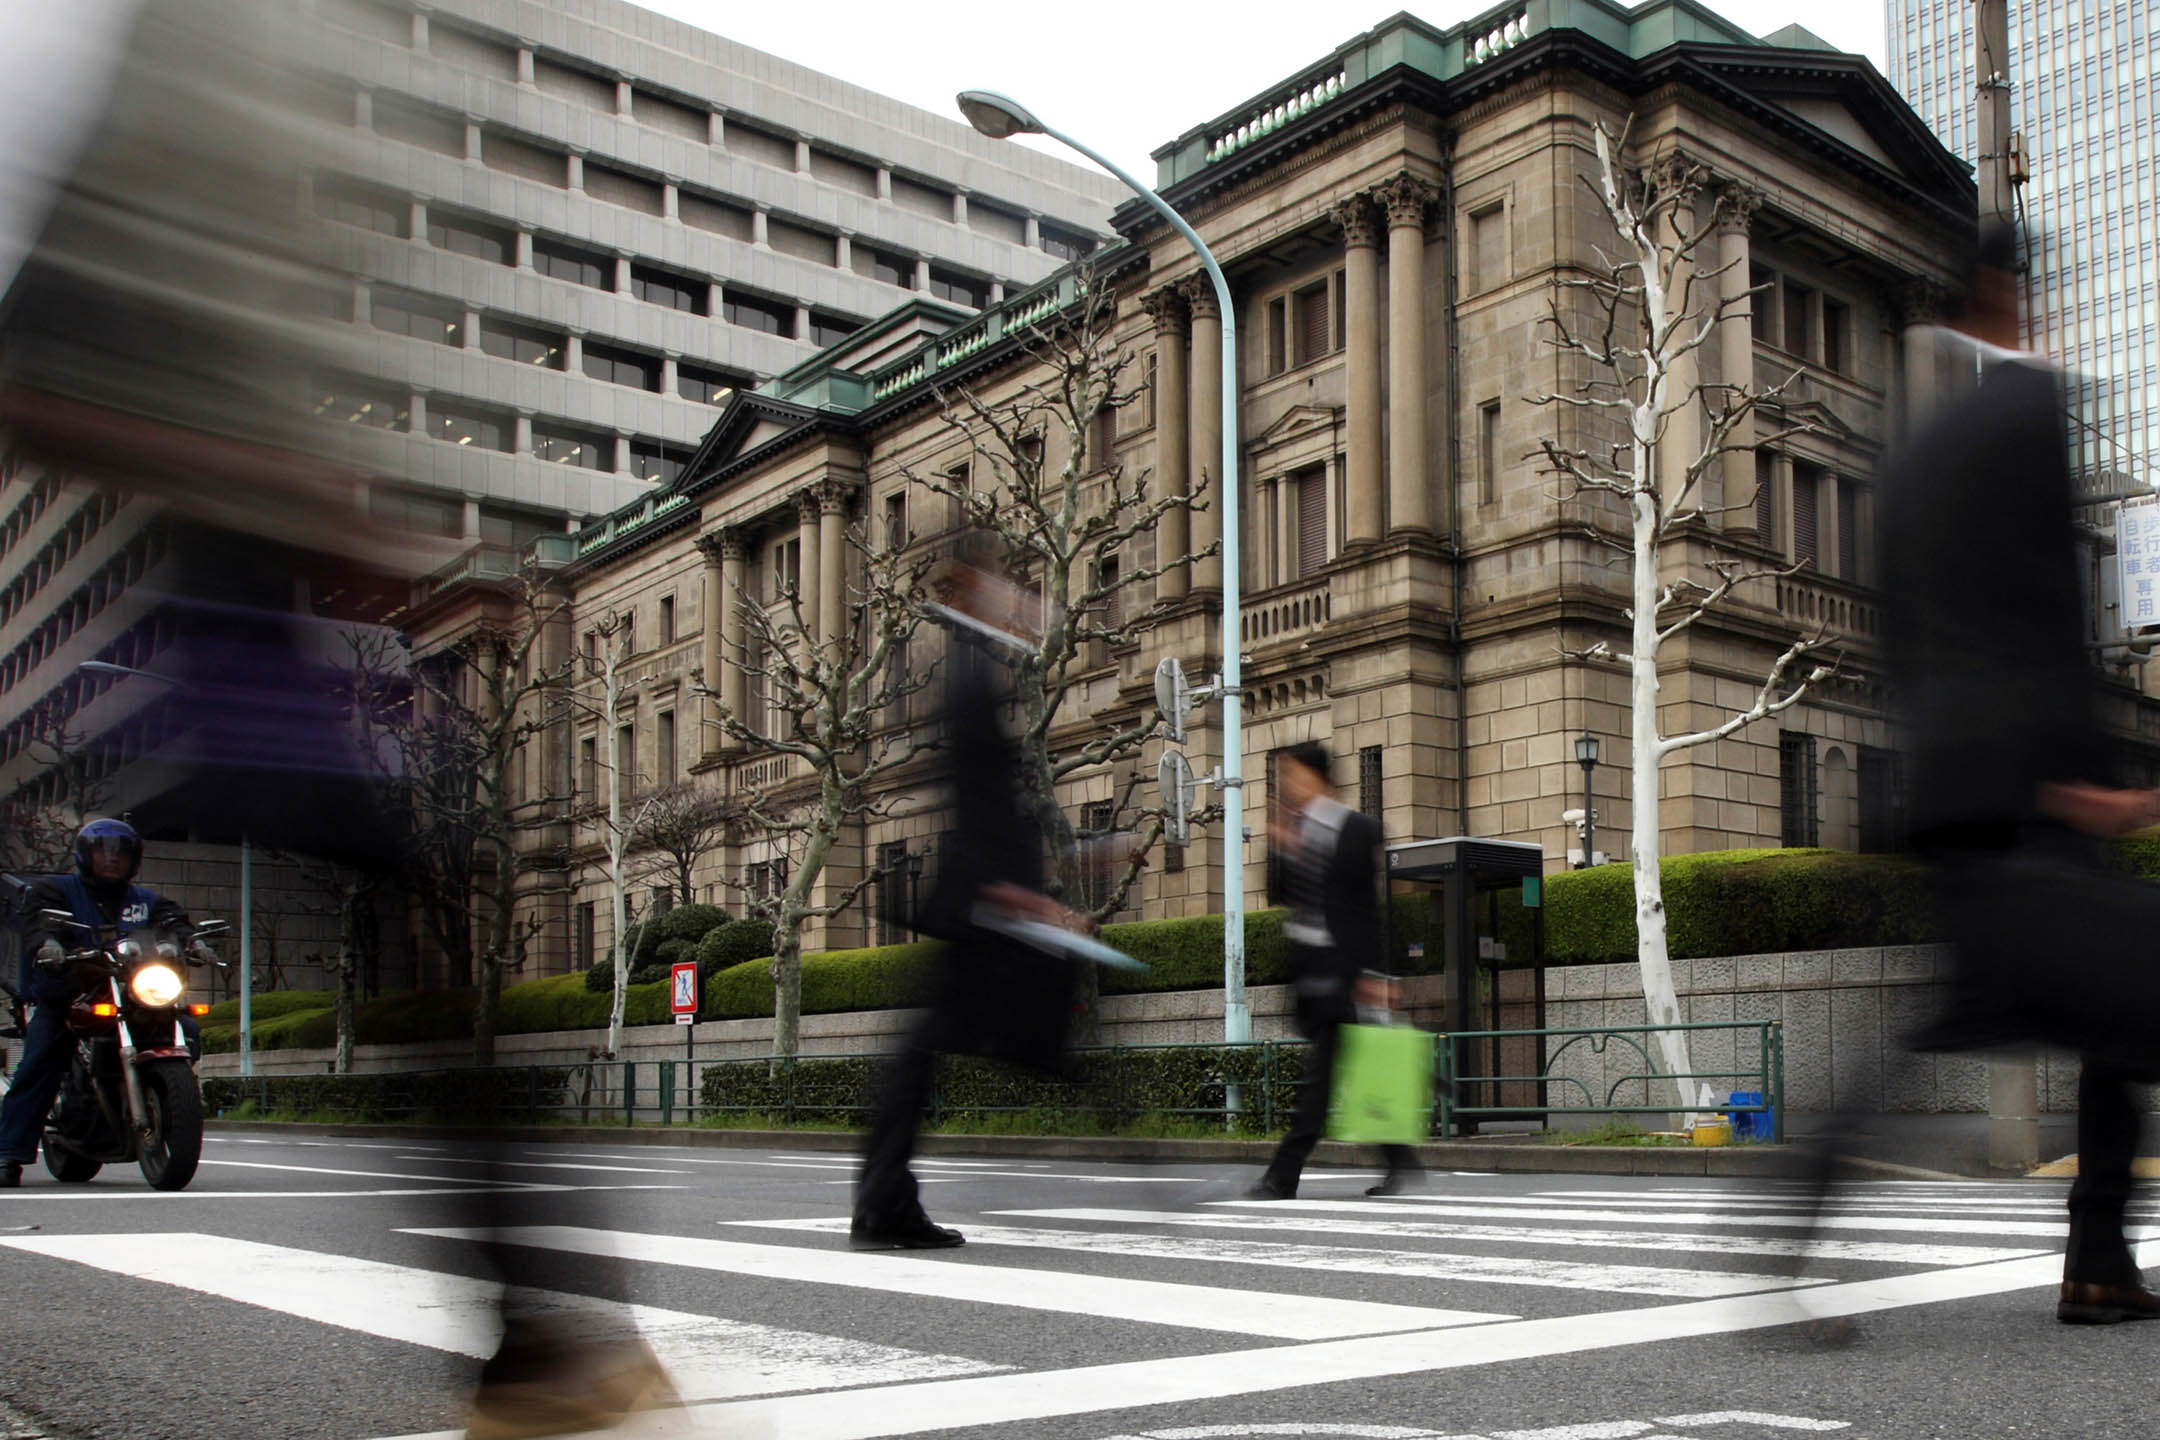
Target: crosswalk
<point>1180,1303</point>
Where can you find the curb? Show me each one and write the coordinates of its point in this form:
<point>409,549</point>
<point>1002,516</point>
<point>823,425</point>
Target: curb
<point>1499,1157</point>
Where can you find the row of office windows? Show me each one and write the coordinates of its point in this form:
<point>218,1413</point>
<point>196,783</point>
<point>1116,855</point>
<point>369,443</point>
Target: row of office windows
<point>1801,320</point>
<point>149,729</point>
<point>111,580</point>
<point>31,508</point>
<point>683,116</point>
<point>89,518</point>
<point>46,722</point>
<point>378,406</point>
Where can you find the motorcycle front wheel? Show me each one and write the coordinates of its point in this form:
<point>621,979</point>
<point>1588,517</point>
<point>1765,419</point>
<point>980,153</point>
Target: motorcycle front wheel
<point>172,1114</point>
<point>68,1167</point>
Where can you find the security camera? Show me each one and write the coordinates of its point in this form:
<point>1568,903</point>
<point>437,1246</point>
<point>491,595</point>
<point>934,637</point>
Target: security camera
<point>1571,817</point>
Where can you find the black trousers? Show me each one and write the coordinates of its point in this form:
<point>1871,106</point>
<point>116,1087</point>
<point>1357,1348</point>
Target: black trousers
<point>2098,1253</point>
<point>885,1190</point>
<point>1310,1118</point>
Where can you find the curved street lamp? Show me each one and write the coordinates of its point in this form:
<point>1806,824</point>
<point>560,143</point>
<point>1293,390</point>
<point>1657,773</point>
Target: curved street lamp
<point>1001,117</point>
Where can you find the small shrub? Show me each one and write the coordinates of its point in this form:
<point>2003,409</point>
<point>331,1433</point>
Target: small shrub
<point>735,943</point>
<point>691,922</point>
<point>601,978</point>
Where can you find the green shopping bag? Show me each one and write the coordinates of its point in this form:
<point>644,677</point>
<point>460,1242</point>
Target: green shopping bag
<point>1383,1092</point>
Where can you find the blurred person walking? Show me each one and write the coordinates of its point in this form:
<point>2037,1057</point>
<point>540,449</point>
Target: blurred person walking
<point>990,994</point>
<point>1324,864</point>
<point>2012,789</point>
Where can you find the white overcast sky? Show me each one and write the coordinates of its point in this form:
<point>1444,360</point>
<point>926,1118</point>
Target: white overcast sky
<point>1126,76</point>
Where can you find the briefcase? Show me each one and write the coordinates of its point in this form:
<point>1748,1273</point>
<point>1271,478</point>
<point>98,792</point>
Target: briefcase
<point>1383,1092</point>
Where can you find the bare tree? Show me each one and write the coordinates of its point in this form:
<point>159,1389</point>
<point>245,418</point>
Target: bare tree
<point>38,835</point>
<point>681,825</point>
<point>1634,335</point>
<point>833,706</point>
<point>1043,478</point>
<point>449,733</point>
<point>347,895</point>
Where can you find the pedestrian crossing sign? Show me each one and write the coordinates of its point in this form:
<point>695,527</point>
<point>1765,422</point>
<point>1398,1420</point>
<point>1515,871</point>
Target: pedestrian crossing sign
<point>683,991</point>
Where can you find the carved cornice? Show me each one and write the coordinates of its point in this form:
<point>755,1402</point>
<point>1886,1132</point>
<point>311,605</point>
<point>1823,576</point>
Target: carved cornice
<point>1167,308</point>
<point>1354,217</point>
<point>1407,200</point>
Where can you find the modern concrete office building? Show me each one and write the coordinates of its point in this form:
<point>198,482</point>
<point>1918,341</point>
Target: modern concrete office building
<point>2084,79</point>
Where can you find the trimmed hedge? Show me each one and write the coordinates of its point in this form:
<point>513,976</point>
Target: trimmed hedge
<point>735,943</point>
<point>691,922</point>
<point>532,1007</point>
<point>879,978</point>
<point>1186,953</point>
<point>1108,1087</point>
<point>461,1094</point>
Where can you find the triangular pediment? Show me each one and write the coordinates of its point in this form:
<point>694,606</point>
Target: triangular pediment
<point>1297,422</point>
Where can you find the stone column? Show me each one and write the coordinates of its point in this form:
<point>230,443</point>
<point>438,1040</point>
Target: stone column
<point>1407,199</point>
<point>1173,531</point>
<point>1828,541</point>
<point>1736,351</point>
<point>806,582</point>
<point>832,501</point>
<point>713,655</point>
<point>1921,308</point>
<point>732,654</point>
<point>1205,422</point>
<point>1361,359</point>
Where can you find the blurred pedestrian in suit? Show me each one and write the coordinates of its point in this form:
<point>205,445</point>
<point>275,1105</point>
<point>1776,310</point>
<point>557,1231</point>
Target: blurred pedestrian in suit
<point>989,995</point>
<point>1324,863</point>
<point>2012,789</point>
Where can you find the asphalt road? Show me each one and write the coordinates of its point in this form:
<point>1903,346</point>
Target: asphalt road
<point>333,1288</point>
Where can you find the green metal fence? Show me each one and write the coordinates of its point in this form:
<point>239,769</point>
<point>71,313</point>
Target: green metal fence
<point>1245,1089</point>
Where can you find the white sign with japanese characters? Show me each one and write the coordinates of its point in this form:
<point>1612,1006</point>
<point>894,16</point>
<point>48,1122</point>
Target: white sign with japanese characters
<point>2137,558</point>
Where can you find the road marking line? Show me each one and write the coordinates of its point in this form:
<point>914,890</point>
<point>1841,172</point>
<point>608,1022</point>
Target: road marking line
<point>2052,1229</point>
<point>1832,1204</point>
<point>325,1170</point>
<point>1007,1400</point>
<point>1153,1302</point>
<point>1881,1251</point>
<point>1753,1417</point>
<point>708,1357</point>
<point>1492,1269</point>
<point>549,1165</point>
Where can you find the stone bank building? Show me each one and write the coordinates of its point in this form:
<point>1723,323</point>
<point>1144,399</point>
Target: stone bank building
<point>1394,222</point>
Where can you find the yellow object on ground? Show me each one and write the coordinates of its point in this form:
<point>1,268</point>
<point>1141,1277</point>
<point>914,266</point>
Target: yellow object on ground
<point>1714,1132</point>
<point>2146,1167</point>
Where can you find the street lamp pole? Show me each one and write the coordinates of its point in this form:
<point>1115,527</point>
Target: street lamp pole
<point>1000,118</point>
<point>1586,755</point>
<point>247,897</point>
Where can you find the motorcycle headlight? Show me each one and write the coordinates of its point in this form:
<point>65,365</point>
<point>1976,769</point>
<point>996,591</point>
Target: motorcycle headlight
<point>157,985</point>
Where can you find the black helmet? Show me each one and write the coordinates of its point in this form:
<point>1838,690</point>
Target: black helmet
<point>101,834</point>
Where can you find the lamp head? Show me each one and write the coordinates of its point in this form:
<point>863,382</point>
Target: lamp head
<point>1586,749</point>
<point>998,116</point>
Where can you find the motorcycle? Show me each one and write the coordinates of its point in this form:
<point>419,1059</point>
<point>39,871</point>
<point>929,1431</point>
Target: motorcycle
<point>130,1091</point>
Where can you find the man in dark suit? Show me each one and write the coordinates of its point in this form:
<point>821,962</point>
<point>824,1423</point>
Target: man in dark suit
<point>989,996</point>
<point>1324,865</point>
<point>2012,792</point>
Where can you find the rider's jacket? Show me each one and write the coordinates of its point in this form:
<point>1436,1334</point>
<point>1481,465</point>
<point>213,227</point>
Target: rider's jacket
<point>124,908</point>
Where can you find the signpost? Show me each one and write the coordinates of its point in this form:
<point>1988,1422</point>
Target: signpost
<point>683,1000</point>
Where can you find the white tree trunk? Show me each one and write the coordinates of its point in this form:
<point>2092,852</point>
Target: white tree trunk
<point>617,897</point>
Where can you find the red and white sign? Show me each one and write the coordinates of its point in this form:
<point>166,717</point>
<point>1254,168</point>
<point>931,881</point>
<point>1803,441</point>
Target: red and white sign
<point>682,991</point>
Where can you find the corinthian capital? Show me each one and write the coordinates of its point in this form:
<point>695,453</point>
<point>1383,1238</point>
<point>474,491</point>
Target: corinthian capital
<point>1355,218</point>
<point>1406,199</point>
<point>1167,308</point>
<point>1200,298</point>
<point>1737,203</point>
<point>831,497</point>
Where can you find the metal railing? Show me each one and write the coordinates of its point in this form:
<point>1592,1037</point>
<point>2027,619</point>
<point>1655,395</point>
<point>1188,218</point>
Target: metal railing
<point>1247,1088</point>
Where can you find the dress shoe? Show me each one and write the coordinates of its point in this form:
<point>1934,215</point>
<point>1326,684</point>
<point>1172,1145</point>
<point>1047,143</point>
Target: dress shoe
<point>1395,1182</point>
<point>2088,1304</point>
<point>1266,1190</point>
<point>10,1174</point>
<point>919,1233</point>
<point>591,1386</point>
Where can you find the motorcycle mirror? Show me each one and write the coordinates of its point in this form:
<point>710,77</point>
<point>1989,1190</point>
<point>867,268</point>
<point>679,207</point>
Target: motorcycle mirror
<point>62,917</point>
<point>213,927</point>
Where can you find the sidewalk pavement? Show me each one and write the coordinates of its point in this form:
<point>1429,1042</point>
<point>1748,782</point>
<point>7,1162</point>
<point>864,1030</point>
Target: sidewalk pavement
<point>1884,1147</point>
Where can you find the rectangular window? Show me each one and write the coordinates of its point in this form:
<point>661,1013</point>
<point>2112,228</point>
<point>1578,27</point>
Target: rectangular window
<point>377,22</point>
<point>526,161</point>
<point>1276,337</point>
<point>1882,819</point>
<point>362,402</point>
<point>620,187</point>
<point>959,289</point>
<point>481,429</point>
<point>422,319</point>
<point>1488,452</point>
<point>785,567</point>
<point>562,261</point>
<point>1098,875</point>
<point>751,143</point>
<point>1063,244</point>
<point>521,343</point>
<point>1312,322</point>
<point>580,86</point>
<point>1836,326</point>
<point>1796,319</point>
<point>703,212</point>
<point>773,317</point>
<point>1766,498</point>
<point>709,387</point>
<point>892,897</point>
<point>1848,528</point>
<point>465,236</point>
<point>1762,312</point>
<point>931,201</point>
<point>416,513</point>
<point>1311,485</point>
<point>349,202</point>
<point>828,329</point>
<point>1368,781</point>
<point>667,620</point>
<point>1806,515</point>
<point>515,529</point>
<point>661,464</point>
<point>664,748</point>
<point>622,367</point>
<point>1488,247</point>
<point>838,170</point>
<point>587,934</point>
<point>676,292</point>
<point>471,51</point>
<point>997,222</point>
<point>800,241</point>
<point>1799,801</point>
<point>883,266</point>
<point>419,125</point>
<point>566,445</point>
<point>589,761</point>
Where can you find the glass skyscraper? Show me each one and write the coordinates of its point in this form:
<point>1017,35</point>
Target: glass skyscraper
<point>2085,91</point>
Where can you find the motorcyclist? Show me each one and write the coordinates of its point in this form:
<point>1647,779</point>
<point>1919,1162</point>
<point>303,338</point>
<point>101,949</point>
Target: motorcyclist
<point>101,892</point>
